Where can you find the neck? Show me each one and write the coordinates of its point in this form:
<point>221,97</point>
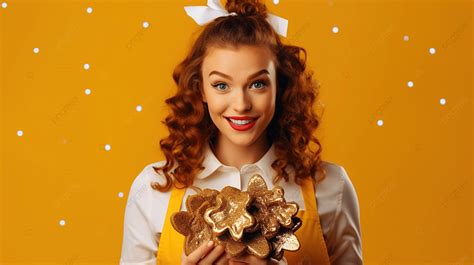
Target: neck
<point>234,155</point>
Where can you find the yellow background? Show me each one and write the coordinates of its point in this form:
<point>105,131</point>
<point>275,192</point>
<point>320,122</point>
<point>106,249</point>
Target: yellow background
<point>413,175</point>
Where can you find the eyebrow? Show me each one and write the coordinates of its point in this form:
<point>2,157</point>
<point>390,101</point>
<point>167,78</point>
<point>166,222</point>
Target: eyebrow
<point>263,71</point>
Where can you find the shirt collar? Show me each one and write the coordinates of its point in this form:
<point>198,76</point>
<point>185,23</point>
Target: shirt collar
<point>211,163</point>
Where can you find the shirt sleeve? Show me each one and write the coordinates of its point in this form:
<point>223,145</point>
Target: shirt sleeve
<point>139,241</point>
<point>348,246</point>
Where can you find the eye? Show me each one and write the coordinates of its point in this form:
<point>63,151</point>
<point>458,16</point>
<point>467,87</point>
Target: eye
<point>263,83</point>
<point>219,86</point>
<point>222,86</point>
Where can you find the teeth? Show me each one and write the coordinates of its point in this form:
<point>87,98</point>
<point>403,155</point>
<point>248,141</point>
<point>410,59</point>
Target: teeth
<point>240,122</point>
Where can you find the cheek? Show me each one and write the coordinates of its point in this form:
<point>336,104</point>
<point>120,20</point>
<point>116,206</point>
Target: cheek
<point>267,105</point>
<point>216,106</point>
<point>269,98</point>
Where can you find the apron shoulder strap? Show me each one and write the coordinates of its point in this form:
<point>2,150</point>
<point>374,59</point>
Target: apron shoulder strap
<point>313,248</point>
<point>171,242</point>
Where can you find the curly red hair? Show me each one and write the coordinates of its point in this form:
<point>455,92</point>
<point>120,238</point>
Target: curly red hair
<point>293,123</point>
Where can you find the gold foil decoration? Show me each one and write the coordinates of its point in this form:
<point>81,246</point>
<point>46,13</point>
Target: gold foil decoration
<point>253,243</point>
<point>191,223</point>
<point>257,221</point>
<point>272,211</point>
<point>286,240</point>
<point>230,213</point>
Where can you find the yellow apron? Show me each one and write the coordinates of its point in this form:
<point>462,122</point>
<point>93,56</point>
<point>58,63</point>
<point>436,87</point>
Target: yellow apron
<point>312,245</point>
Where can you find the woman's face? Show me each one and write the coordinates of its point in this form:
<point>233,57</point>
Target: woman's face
<point>239,86</point>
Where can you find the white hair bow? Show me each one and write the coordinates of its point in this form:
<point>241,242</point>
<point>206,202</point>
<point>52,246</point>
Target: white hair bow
<point>214,9</point>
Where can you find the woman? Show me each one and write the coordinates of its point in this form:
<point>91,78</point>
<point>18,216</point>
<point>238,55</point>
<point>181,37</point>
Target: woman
<point>244,105</point>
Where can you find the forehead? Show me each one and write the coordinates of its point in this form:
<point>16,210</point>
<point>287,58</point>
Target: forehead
<point>236,60</point>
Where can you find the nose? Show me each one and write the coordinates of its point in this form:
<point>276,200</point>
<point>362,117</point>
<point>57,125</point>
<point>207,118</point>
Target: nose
<point>241,101</point>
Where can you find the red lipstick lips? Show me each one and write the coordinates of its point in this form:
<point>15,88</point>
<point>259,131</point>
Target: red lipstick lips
<point>242,126</point>
<point>242,118</point>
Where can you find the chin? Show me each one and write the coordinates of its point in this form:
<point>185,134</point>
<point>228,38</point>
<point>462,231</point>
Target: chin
<point>241,144</point>
<point>242,141</point>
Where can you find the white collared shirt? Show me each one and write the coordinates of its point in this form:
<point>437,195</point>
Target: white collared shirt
<point>337,201</point>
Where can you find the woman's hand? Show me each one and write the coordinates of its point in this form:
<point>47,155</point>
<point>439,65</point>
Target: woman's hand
<point>251,259</point>
<point>207,253</point>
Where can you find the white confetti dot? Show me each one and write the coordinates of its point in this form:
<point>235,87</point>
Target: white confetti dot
<point>442,101</point>
<point>87,91</point>
<point>406,38</point>
<point>107,147</point>
<point>410,83</point>
<point>19,133</point>
<point>62,223</point>
<point>276,2</point>
<point>335,29</point>
<point>87,66</point>
<point>89,10</point>
<point>4,4</point>
<point>146,24</point>
<point>432,50</point>
<point>36,50</point>
<point>120,194</point>
<point>380,122</point>
<point>139,108</point>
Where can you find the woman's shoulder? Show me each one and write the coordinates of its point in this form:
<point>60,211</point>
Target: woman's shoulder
<point>142,182</point>
<point>149,174</point>
<point>334,172</point>
<point>336,183</point>
<point>154,175</point>
<point>144,201</point>
<point>337,187</point>
<point>338,206</point>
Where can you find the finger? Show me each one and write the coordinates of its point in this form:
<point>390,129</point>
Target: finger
<point>241,259</point>
<point>213,255</point>
<point>251,259</point>
<point>223,259</point>
<point>238,261</point>
<point>201,251</point>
